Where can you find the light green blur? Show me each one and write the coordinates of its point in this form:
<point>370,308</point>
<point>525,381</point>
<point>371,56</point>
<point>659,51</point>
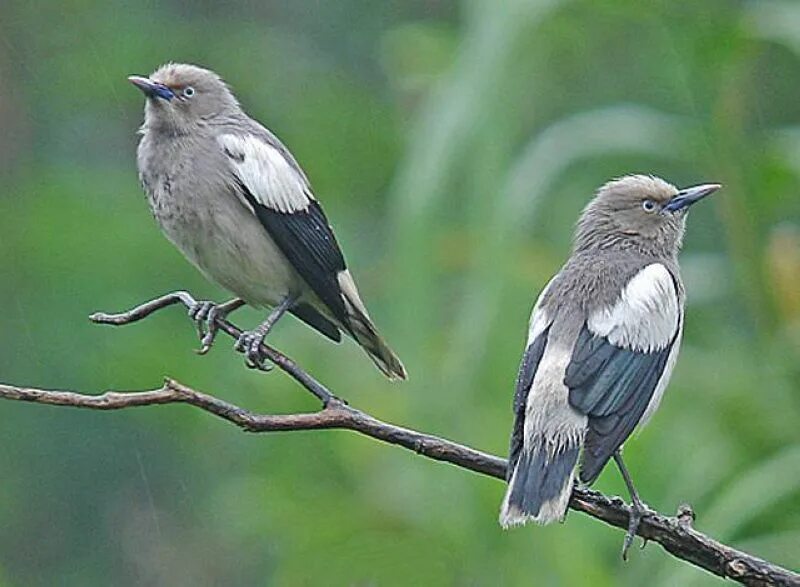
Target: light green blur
<point>453,146</point>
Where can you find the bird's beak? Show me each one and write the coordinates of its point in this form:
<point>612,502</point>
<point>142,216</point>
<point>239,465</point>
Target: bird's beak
<point>150,88</point>
<point>688,196</point>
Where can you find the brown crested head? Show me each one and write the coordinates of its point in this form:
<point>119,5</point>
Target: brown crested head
<point>180,95</point>
<point>638,212</point>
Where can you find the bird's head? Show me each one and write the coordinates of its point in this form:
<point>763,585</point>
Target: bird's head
<point>638,212</point>
<point>180,96</point>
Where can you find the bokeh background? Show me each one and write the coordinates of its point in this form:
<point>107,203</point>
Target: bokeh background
<point>453,145</point>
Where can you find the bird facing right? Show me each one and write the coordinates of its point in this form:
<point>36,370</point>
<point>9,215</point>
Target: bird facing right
<point>602,341</point>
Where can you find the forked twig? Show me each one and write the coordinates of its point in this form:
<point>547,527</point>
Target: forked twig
<point>674,534</point>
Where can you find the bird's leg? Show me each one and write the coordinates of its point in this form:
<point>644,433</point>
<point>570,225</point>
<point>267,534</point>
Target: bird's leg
<point>205,315</point>
<point>250,342</point>
<point>638,508</point>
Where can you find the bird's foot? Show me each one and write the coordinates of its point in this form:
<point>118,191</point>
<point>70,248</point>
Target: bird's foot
<point>250,343</point>
<point>199,313</point>
<point>638,511</point>
<point>205,315</point>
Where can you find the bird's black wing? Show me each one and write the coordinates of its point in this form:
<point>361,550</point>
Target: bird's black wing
<point>613,386</point>
<point>620,357</point>
<point>307,241</point>
<point>527,371</point>
<point>268,180</point>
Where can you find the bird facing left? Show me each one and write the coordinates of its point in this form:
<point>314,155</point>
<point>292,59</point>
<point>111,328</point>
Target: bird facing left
<point>232,198</point>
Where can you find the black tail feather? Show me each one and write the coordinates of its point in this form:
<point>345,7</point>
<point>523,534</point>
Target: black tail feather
<point>540,485</point>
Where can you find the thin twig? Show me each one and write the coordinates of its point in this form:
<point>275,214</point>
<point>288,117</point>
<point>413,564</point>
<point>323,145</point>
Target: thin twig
<point>185,298</point>
<point>674,534</point>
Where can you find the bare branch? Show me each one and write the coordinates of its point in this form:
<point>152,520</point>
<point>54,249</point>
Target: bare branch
<point>674,534</point>
<point>185,298</point>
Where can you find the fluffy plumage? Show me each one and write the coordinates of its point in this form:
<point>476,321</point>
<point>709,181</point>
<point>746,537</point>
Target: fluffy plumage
<point>234,200</point>
<point>602,341</point>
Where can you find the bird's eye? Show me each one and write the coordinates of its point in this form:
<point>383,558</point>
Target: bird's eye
<point>188,91</point>
<point>648,205</point>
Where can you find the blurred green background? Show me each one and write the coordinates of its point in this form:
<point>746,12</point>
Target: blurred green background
<point>453,145</point>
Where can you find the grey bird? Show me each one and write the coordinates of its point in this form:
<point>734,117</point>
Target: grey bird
<point>602,341</point>
<point>234,200</point>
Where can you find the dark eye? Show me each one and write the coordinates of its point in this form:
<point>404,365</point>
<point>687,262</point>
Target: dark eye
<point>188,91</point>
<point>648,205</point>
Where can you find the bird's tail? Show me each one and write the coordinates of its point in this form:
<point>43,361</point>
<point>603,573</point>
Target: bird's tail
<point>367,336</point>
<point>540,484</point>
<point>364,332</point>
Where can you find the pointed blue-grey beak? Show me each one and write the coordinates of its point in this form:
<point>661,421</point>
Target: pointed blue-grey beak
<point>688,196</point>
<point>150,88</point>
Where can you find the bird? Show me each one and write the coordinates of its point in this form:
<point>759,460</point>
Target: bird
<point>234,200</point>
<point>602,342</point>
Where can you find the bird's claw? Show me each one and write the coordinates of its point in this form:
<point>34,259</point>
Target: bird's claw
<point>208,339</point>
<point>249,343</point>
<point>205,314</point>
<point>638,511</point>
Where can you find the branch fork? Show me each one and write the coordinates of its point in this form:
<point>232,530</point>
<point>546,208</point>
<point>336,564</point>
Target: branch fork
<point>674,533</point>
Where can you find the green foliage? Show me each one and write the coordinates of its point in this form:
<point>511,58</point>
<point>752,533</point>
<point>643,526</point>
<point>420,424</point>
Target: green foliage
<point>453,147</point>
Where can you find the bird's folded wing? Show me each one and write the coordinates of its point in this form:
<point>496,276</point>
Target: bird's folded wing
<point>620,359</point>
<point>538,330</point>
<point>278,193</point>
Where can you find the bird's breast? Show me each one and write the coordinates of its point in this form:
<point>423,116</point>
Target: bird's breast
<point>193,202</point>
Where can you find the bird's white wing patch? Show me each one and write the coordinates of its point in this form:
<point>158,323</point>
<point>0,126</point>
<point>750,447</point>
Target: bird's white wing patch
<point>264,170</point>
<point>646,316</point>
